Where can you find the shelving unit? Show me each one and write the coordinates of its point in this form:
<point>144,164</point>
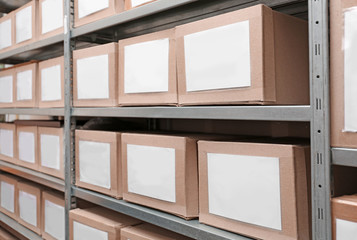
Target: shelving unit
<point>19,228</point>
<point>164,14</point>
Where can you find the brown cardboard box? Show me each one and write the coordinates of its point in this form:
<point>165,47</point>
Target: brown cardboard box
<point>249,56</point>
<point>8,22</point>
<point>50,14</point>
<point>26,150</point>
<point>343,121</point>
<point>129,4</point>
<point>53,217</point>
<point>160,171</point>
<point>9,195</point>
<point>344,217</point>
<point>51,83</point>
<point>149,232</point>
<point>98,161</point>
<point>147,69</point>
<point>4,235</point>
<point>51,151</point>
<point>95,74</point>
<point>26,85</point>
<point>7,88</point>
<point>258,190</point>
<point>98,222</point>
<point>8,142</point>
<point>94,11</point>
<point>29,206</point>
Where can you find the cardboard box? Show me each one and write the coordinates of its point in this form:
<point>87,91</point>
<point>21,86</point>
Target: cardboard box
<point>26,85</point>
<point>51,89</point>
<point>26,150</point>
<point>53,216</point>
<point>8,142</point>
<point>97,223</point>
<point>8,195</point>
<point>25,24</point>
<point>149,232</point>
<point>7,88</point>
<point>343,73</point>
<point>129,4</point>
<point>258,190</point>
<point>344,217</point>
<point>51,151</point>
<point>50,18</point>
<point>98,164</point>
<point>90,11</point>
<point>160,171</point>
<point>249,56</point>
<point>4,235</point>
<point>7,39</point>
<point>29,206</point>
<point>147,69</point>
<point>95,74</point>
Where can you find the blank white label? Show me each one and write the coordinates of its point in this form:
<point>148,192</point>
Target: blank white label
<point>52,15</point>
<point>51,87</point>
<point>7,142</point>
<point>81,232</point>
<point>346,230</point>
<point>151,172</point>
<point>28,207</point>
<point>6,89</point>
<point>5,34</point>
<point>245,188</point>
<point>135,3</point>
<point>350,45</point>
<point>218,58</point>
<point>54,220</point>
<point>24,85</point>
<point>8,196</point>
<point>94,163</point>
<point>93,77</point>
<point>146,67</point>
<point>87,7</point>
<point>27,147</point>
<point>50,151</point>
<point>24,24</point>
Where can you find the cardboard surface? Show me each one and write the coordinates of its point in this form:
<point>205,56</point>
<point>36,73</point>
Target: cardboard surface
<point>7,88</point>
<point>50,22</point>
<point>129,4</point>
<point>26,85</point>
<point>27,146</point>
<point>8,181</point>
<point>4,235</point>
<point>294,195</point>
<point>7,40</point>
<point>344,209</point>
<point>8,147</point>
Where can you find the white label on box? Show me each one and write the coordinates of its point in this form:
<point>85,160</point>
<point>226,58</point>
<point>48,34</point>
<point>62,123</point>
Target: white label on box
<point>7,142</point>
<point>135,3</point>
<point>27,147</point>
<point>218,58</point>
<point>8,196</point>
<point>87,7</point>
<point>24,85</point>
<point>350,46</point>
<point>28,207</point>
<point>81,232</point>
<point>151,172</point>
<point>93,77</point>
<point>5,34</point>
<point>245,188</point>
<point>52,15</point>
<point>24,24</point>
<point>346,230</point>
<point>6,89</point>
<point>54,220</point>
<point>50,151</point>
<point>146,67</point>
<point>94,163</point>
<point>51,83</point>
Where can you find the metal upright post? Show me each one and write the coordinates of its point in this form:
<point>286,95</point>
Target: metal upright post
<point>320,122</point>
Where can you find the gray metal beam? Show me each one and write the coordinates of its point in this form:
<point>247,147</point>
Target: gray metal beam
<point>344,157</point>
<point>33,111</point>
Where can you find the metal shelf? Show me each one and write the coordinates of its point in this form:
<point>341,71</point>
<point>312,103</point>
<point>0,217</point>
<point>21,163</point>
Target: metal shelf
<point>33,175</point>
<point>19,228</point>
<point>33,111</point>
<point>190,228</point>
<point>344,157</point>
<point>269,113</point>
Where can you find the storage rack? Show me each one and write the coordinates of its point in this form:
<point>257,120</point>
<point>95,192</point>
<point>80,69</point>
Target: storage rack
<point>160,15</point>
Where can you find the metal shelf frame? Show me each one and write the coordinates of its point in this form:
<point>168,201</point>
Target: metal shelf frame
<point>344,157</point>
<point>33,111</point>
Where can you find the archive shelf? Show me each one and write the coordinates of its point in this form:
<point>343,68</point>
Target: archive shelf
<point>33,111</point>
<point>344,157</point>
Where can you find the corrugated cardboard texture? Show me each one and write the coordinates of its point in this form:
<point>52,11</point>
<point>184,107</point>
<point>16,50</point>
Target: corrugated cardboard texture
<point>3,19</point>
<point>5,73</point>
<point>48,34</point>
<point>13,181</point>
<point>112,50</point>
<point>293,189</point>
<point>272,36</point>
<point>186,182</point>
<point>344,208</point>
<point>158,98</point>
<point>102,219</point>
<point>11,127</point>
<point>32,103</point>
<point>31,129</point>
